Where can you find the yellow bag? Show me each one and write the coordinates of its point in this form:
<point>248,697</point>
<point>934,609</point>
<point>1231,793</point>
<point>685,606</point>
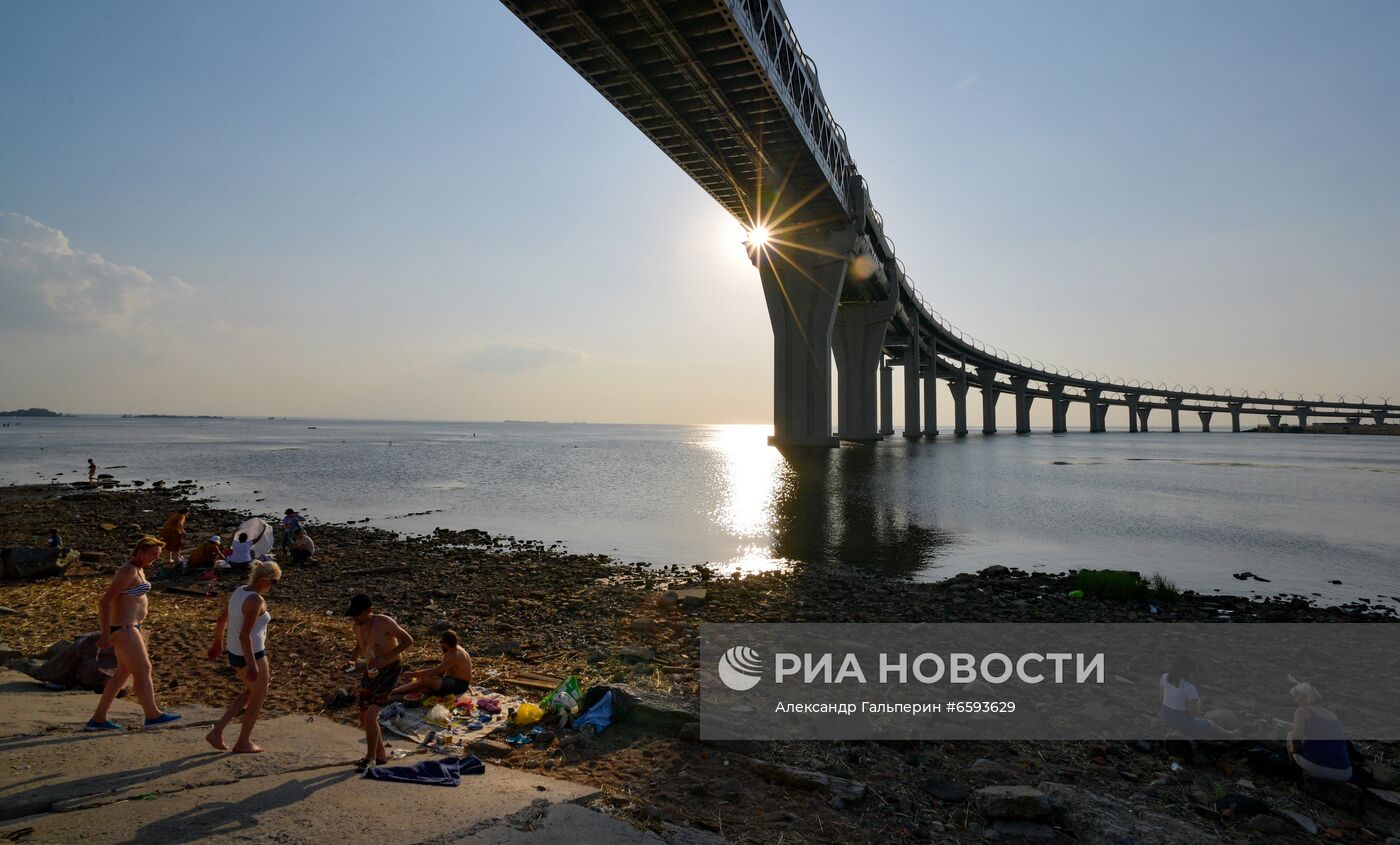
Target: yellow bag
<point>527,714</point>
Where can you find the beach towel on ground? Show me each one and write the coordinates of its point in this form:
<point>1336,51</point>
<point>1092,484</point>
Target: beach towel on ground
<point>446,771</point>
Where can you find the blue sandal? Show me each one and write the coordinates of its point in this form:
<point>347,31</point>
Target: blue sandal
<point>162,719</point>
<point>108,725</point>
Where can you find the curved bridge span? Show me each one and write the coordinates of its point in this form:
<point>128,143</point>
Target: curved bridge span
<point>724,88</point>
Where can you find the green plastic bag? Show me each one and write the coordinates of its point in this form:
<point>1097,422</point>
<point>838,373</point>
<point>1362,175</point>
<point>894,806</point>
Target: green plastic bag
<point>565,696</point>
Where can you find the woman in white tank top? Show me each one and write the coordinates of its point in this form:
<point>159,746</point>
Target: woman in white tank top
<point>242,629</point>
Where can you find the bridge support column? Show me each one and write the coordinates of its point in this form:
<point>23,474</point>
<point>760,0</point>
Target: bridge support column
<point>1058,405</point>
<point>912,427</point>
<point>802,303</point>
<point>1174,403</point>
<point>1143,411</point>
<point>1379,417</point>
<point>1023,404</point>
<point>856,341</point>
<point>1353,421</point>
<point>958,387</point>
<point>987,378</point>
<point>1205,419</point>
<point>886,400</point>
<point>1235,409</point>
<point>1302,411</point>
<point>1095,421</point>
<point>931,394</point>
<point>1275,420</point>
<point>1132,399</point>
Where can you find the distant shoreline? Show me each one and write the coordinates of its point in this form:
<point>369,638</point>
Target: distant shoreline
<point>170,417</point>
<point>1382,430</point>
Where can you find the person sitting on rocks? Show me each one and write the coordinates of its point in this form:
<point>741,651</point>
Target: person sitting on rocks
<point>450,677</point>
<point>1317,744</point>
<point>1181,704</point>
<point>55,541</point>
<point>302,545</point>
<point>208,553</point>
<point>240,556</point>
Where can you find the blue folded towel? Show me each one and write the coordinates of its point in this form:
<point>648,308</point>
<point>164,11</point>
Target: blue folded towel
<point>447,771</point>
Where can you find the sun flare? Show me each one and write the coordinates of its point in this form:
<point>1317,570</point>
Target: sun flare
<point>758,236</point>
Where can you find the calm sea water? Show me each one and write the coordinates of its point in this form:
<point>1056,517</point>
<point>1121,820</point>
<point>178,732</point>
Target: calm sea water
<point>1301,510</point>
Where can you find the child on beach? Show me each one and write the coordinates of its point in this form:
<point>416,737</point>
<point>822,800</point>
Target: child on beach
<point>55,541</point>
<point>379,641</point>
<point>291,521</point>
<point>172,533</point>
<point>92,470</point>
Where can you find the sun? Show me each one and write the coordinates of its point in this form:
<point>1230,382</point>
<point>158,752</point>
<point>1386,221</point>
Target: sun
<point>758,237</point>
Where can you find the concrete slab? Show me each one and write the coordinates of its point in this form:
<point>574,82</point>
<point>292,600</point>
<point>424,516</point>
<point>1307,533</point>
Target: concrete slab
<point>561,823</point>
<point>167,785</point>
<point>28,708</point>
<point>70,771</point>
<point>324,805</point>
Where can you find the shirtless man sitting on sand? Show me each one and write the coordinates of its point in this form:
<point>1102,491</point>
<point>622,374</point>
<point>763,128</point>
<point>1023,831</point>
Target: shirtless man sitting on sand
<point>450,677</point>
<point>379,641</point>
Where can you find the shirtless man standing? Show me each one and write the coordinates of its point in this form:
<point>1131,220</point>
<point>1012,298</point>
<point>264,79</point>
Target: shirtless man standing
<point>379,641</point>
<point>450,677</point>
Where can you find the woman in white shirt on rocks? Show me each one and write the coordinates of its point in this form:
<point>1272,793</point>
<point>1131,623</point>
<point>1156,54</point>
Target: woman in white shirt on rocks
<point>242,630</point>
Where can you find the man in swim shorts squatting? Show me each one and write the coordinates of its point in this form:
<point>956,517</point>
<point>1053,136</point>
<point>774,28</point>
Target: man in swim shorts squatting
<point>379,640</point>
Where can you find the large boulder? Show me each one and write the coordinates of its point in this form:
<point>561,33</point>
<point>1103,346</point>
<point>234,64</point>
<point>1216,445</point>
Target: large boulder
<point>29,563</point>
<point>1011,802</point>
<point>74,666</point>
<point>1099,819</point>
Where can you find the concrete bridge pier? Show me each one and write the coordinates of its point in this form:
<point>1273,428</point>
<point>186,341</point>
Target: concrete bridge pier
<point>913,429</point>
<point>1235,409</point>
<point>1353,421</point>
<point>886,400</point>
<point>1302,411</point>
<point>1058,405</point>
<point>1095,422</point>
<point>1132,399</point>
<point>856,342</point>
<point>958,387</point>
<point>1143,411</point>
<point>802,299</point>
<point>1023,404</point>
<point>931,394</point>
<point>1379,417</point>
<point>1174,403</point>
<point>1103,416</point>
<point>1274,420</point>
<point>1205,419</point>
<point>987,378</point>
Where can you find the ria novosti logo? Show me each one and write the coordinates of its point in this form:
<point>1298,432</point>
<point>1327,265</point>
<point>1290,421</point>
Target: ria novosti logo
<point>740,668</point>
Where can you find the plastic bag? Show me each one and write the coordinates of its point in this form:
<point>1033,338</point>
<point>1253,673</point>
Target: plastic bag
<point>439,715</point>
<point>528,714</point>
<point>565,696</point>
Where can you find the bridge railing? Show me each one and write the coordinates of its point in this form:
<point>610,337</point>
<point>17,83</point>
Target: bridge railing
<point>769,32</point>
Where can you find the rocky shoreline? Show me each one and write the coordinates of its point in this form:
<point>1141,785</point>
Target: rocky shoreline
<point>524,606</point>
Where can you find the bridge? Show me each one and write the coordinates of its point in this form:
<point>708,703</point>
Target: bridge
<point>724,88</point>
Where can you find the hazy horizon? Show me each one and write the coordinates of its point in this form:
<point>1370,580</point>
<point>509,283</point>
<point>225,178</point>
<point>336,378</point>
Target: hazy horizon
<point>345,210</point>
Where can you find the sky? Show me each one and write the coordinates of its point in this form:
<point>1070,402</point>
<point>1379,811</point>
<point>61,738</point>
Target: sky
<point>354,209</point>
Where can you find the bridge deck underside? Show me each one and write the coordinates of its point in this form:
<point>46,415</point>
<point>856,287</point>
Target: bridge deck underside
<point>683,73</point>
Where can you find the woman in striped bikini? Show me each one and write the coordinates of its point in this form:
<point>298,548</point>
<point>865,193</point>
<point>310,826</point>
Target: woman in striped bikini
<point>120,614</point>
